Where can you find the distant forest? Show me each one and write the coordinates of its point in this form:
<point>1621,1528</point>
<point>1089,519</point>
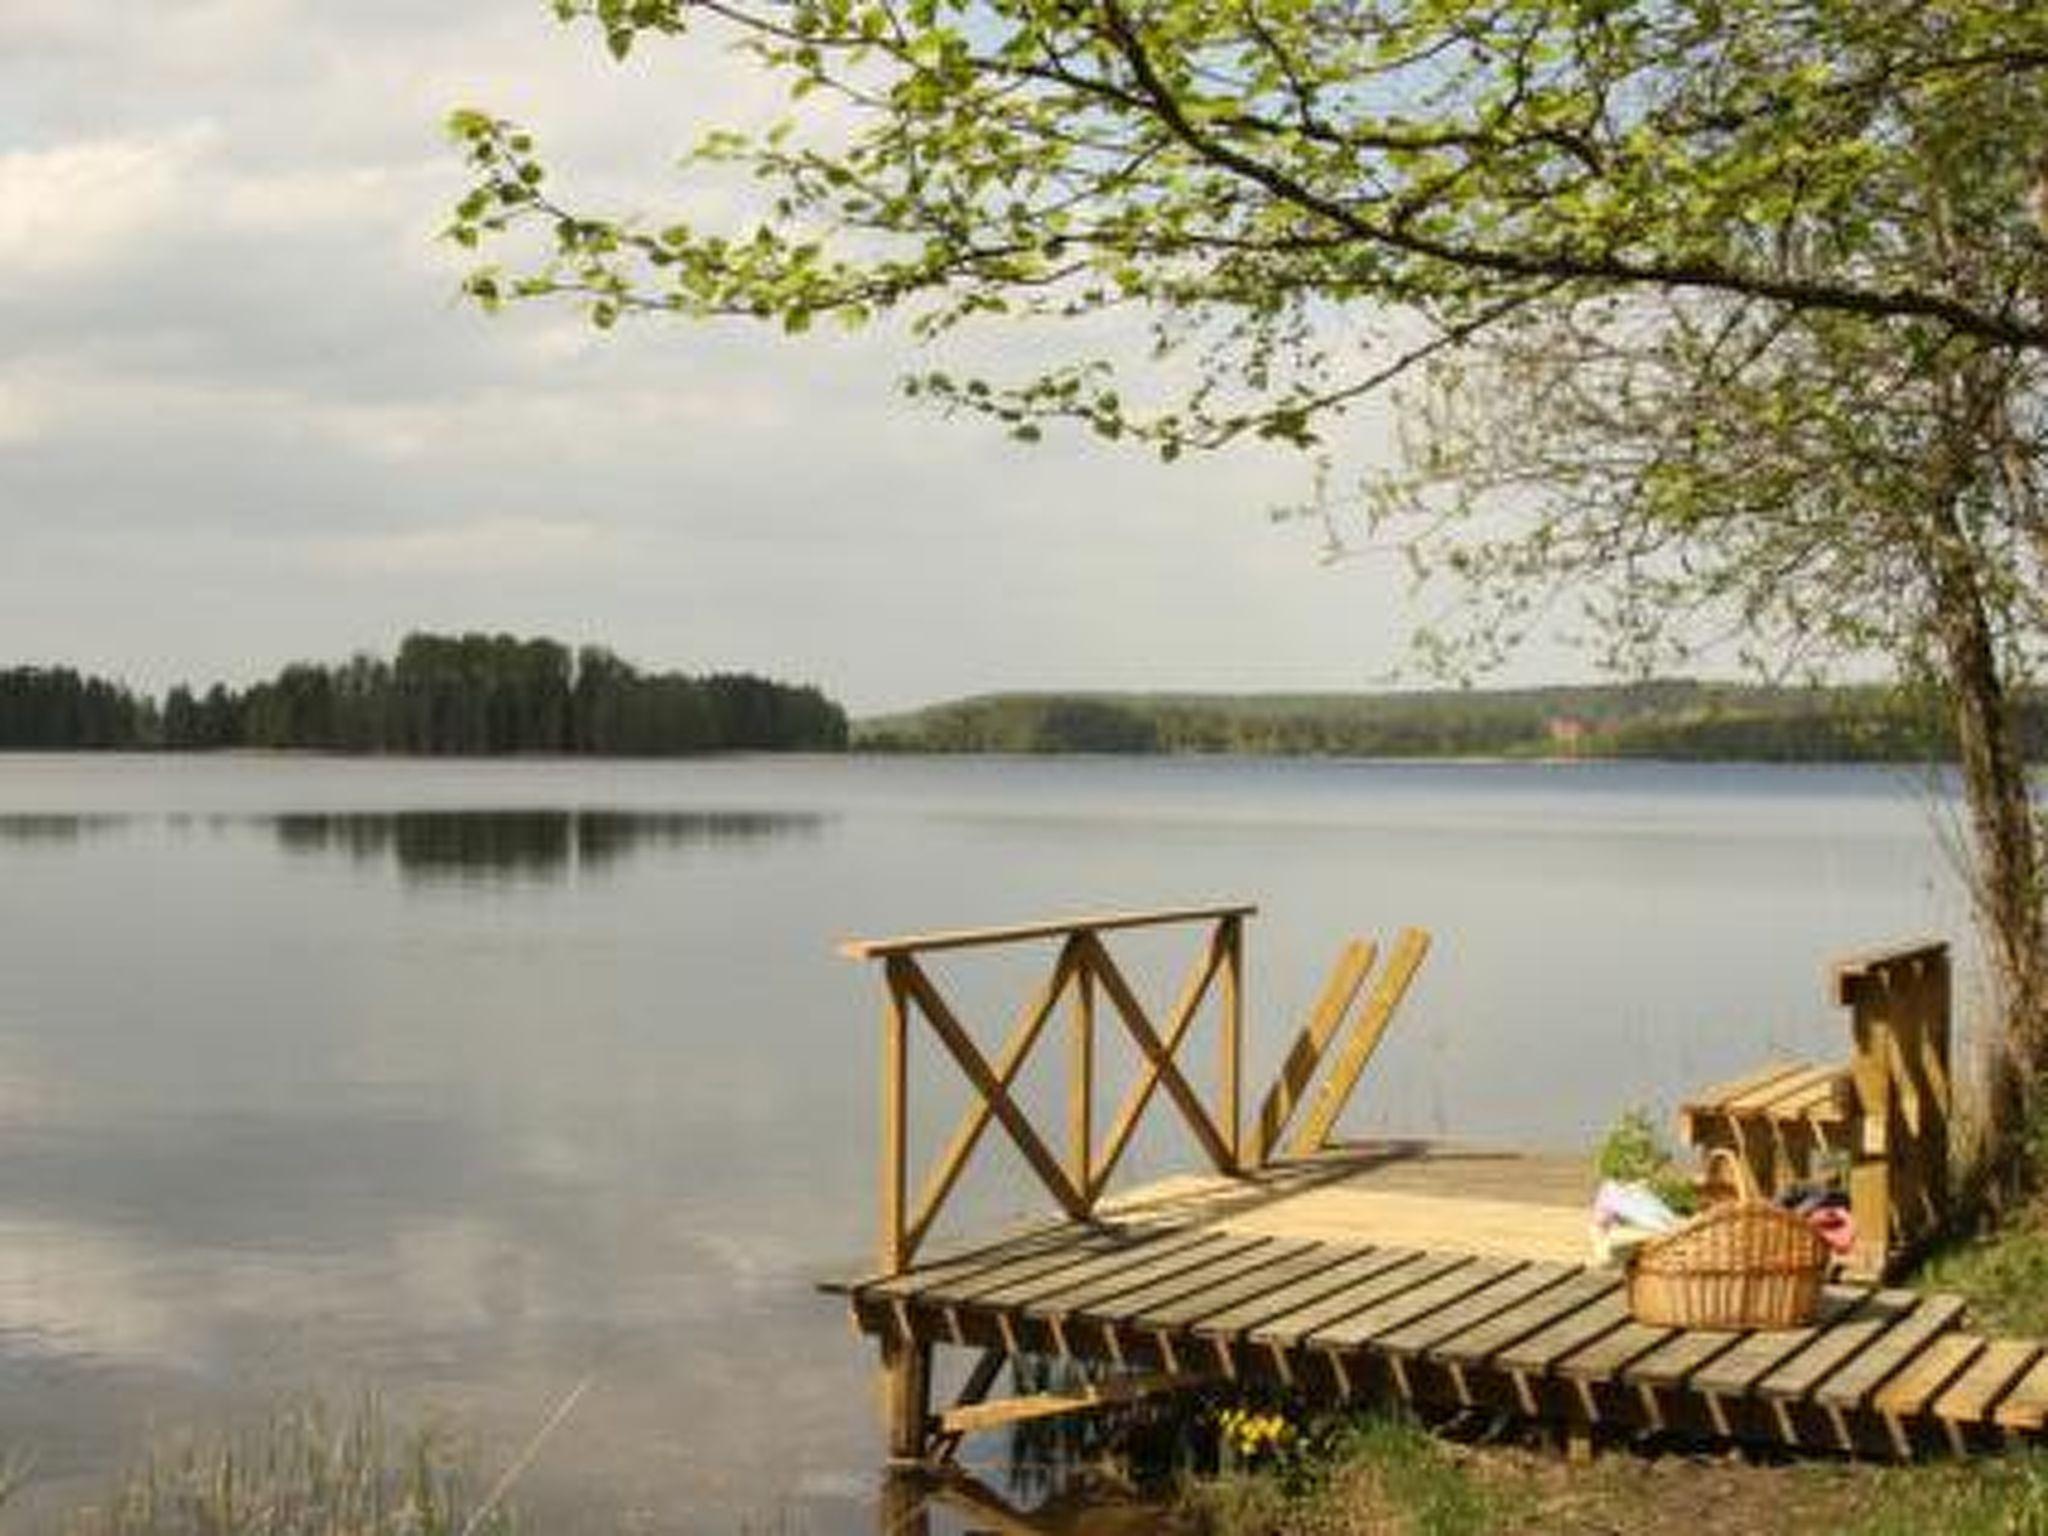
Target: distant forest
<point>1677,719</point>
<point>442,695</point>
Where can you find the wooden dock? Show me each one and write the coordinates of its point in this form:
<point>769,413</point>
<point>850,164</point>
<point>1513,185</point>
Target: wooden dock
<point>1341,1279</point>
<point>1441,1277</point>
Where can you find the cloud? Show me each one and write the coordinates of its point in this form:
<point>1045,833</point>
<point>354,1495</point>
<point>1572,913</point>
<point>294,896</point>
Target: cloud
<point>484,546</point>
<point>23,417</point>
<point>78,207</point>
<point>233,362</point>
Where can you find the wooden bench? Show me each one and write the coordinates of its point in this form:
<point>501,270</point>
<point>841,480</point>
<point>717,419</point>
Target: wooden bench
<point>1781,1125</point>
<point>1882,1117</point>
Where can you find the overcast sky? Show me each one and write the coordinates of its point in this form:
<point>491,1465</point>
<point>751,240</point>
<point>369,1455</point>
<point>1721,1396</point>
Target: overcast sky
<point>244,420</point>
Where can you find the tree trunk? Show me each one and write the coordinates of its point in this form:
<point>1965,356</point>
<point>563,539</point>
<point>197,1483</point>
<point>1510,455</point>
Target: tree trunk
<point>2005,873</point>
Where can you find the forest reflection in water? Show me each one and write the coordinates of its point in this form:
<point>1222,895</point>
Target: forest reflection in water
<point>478,845</point>
<point>55,828</point>
<point>462,845</point>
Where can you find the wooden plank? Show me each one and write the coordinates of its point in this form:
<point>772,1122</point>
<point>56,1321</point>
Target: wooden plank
<point>952,1163</point>
<point>1758,1354</point>
<point>1971,1398</point>
<point>894,1250</point>
<point>1161,1068</point>
<point>970,1418</point>
<point>1306,1053</point>
<point>1361,1212</point>
<point>1714,1100</point>
<point>1425,1333</point>
<point>1913,1390</point>
<point>1853,970</point>
<point>1481,1343</point>
<point>1103,922</point>
<point>1081,1080</point>
<point>1395,976</point>
<point>1671,1363</point>
<point>1281,1270</point>
<point>1072,1242</point>
<point>1385,1316</point>
<point>1539,1351</point>
<point>982,1379</point>
<point>1289,1328</point>
<point>906,1395</point>
<point>1045,1231</point>
<point>2025,1404</point>
<point>1764,1100</point>
<point>1134,1307</point>
<point>1357,1267</point>
<point>1606,1357</point>
<point>1067,1299</point>
<point>1905,1404</point>
<point>1872,1195</point>
<point>1230,1041</point>
<point>1824,1104</point>
<point>1000,1291</point>
<point>960,1044</point>
<point>1854,1383</point>
<point>1837,1344</point>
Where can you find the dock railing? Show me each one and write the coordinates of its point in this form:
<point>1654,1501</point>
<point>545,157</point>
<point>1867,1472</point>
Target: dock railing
<point>1084,975</point>
<point>1075,1164</point>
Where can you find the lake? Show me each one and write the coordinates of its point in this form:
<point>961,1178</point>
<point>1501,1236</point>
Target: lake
<point>468,1082</point>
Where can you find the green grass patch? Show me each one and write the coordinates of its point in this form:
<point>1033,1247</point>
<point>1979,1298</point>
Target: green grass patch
<point>1391,1477</point>
<point>1373,1473</point>
<point>2003,1274</point>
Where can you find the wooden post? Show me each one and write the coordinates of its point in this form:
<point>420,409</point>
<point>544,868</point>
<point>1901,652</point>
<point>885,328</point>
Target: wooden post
<point>895,1118</point>
<point>1395,975</point>
<point>1081,1082</point>
<point>906,1396</point>
<point>905,1505</point>
<point>1899,1176</point>
<point>1228,1116</point>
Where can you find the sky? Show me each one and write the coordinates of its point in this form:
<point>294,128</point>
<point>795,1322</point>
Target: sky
<point>245,419</point>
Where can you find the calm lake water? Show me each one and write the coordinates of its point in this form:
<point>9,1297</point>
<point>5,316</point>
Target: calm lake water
<point>468,1082</point>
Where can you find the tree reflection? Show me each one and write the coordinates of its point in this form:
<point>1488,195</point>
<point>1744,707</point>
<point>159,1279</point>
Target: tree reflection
<point>521,845</point>
<point>54,828</point>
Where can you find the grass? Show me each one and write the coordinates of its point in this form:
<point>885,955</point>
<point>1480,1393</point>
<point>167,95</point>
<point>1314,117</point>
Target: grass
<point>1388,1476</point>
<point>2003,1275</point>
<point>1366,1474</point>
<point>2002,1268</point>
<point>302,1472</point>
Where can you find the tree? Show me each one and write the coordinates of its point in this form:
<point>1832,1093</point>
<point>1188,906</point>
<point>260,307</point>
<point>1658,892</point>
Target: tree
<point>1757,287</point>
<point>58,709</point>
<point>1235,173</point>
<point>1820,486</point>
<point>1826,500</point>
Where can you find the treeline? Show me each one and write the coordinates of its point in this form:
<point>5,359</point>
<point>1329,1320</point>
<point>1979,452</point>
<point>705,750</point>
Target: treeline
<point>442,695</point>
<point>1674,719</point>
<point>58,709</point>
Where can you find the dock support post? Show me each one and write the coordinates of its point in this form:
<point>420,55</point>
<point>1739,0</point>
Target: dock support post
<point>906,1397</point>
<point>905,1506</point>
<point>1577,1435</point>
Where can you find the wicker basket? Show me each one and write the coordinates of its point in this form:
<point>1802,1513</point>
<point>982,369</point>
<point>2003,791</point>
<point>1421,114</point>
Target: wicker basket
<point>1745,1264</point>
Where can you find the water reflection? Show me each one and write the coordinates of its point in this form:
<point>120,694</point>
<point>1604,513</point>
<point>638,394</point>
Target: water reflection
<point>264,1130</point>
<point>521,845</point>
<point>55,829</point>
<point>923,1502</point>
